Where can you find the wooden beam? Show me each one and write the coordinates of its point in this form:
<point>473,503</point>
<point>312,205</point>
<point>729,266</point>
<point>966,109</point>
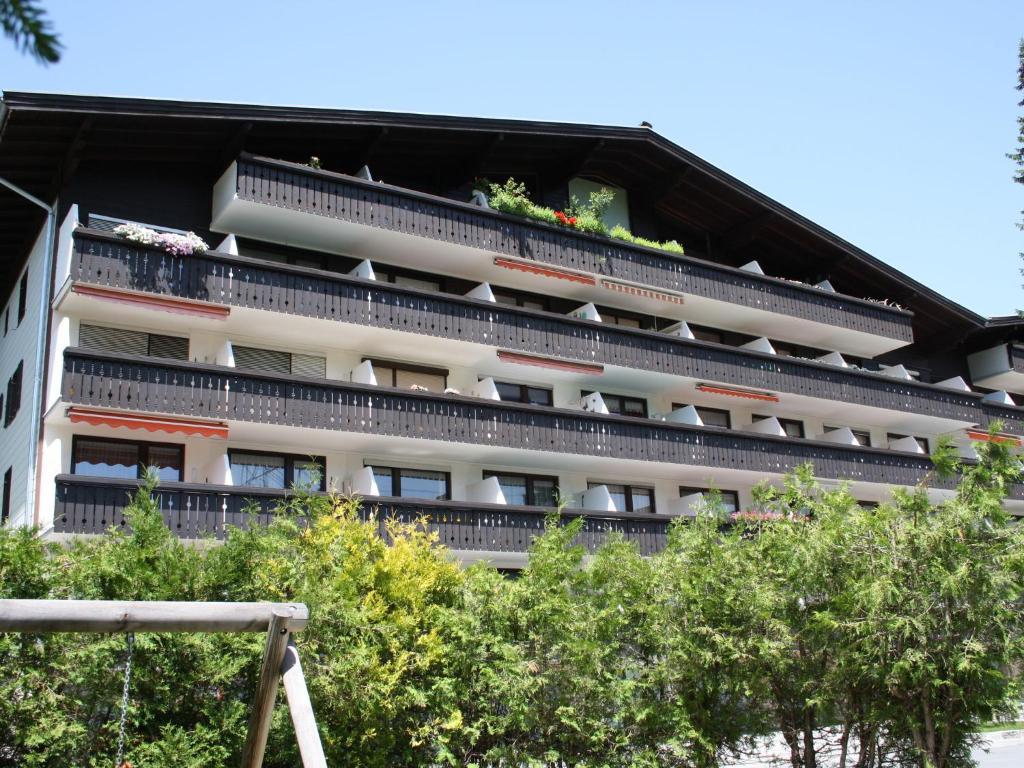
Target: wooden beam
<point>301,709</point>
<point>141,616</point>
<point>266,692</point>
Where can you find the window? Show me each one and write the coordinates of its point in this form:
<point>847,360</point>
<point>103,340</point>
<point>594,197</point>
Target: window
<point>629,498</point>
<point>514,299</point>
<point>413,483</point>
<point>132,342</point>
<point>921,441</point>
<point>527,490</point>
<point>862,435</point>
<point>273,361</point>
<point>623,405</point>
<point>22,296</point>
<point>415,282</point>
<point>523,393</point>
<point>126,459</point>
<point>408,279</point>
<point>13,395</point>
<point>259,469</point>
<point>792,427</point>
<point>729,500</point>
<point>706,334</point>
<point>407,376</point>
<point>5,509</point>
<point>626,321</point>
<point>712,417</point>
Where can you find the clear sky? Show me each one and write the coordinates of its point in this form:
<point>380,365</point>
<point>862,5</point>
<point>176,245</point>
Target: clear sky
<point>886,122</point>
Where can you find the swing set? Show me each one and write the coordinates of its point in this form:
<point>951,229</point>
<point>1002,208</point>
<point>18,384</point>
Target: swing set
<point>280,656</point>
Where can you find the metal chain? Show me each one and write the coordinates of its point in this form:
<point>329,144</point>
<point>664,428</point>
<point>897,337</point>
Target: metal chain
<point>124,701</point>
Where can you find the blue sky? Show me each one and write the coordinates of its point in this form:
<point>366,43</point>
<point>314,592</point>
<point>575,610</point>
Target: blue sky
<point>886,122</point>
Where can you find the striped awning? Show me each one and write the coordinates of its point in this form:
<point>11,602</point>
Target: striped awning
<point>148,422</point>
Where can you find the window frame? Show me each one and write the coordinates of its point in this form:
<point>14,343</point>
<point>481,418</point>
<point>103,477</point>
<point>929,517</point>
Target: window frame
<point>857,433</point>
<point>22,297</point>
<point>408,367</point>
<point>143,446</point>
<point>523,388</point>
<point>890,436</point>
<point>14,388</point>
<point>623,398</point>
<point>708,408</point>
<point>520,298</point>
<point>784,422</point>
<point>531,496</point>
<point>5,501</point>
<point>686,490</point>
<point>629,488</point>
<point>396,479</point>
<point>289,465</point>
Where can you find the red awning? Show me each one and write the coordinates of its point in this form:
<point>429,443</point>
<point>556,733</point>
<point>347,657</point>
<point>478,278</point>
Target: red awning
<point>545,271</point>
<point>161,303</point>
<point>985,437</point>
<point>764,396</point>
<point>150,423</point>
<point>547,362</point>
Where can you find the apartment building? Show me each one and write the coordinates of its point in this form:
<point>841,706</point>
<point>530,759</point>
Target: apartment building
<point>367,322</point>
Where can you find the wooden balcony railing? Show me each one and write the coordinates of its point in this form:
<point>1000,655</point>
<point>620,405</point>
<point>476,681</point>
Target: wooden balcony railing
<point>346,198</point>
<point>140,384</point>
<point>235,281</point>
<point>94,505</point>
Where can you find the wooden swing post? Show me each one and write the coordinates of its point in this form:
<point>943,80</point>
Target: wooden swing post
<point>280,656</point>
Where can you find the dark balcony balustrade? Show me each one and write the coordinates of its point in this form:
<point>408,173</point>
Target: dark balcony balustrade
<point>94,505</point>
<point>139,384</point>
<point>235,281</point>
<point>349,199</point>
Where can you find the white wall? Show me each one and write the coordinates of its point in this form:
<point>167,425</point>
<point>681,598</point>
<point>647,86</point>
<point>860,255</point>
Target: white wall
<point>18,345</point>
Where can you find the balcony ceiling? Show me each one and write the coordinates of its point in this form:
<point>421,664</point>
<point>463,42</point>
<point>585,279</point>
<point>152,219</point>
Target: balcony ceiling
<point>45,138</point>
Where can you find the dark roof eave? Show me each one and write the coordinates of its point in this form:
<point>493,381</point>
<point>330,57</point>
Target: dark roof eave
<point>133,106</point>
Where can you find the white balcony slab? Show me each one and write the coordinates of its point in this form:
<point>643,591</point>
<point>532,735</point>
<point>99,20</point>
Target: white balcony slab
<point>487,491</point>
<point>760,345</point>
<point>363,374</point>
<point>598,498</point>
<point>843,436</point>
<point>769,426</point>
<point>594,403</point>
<point>363,483</point>
<point>482,292</point>
<point>274,224</point>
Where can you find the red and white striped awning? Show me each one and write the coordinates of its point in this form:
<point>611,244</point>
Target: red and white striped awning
<point>148,422</point>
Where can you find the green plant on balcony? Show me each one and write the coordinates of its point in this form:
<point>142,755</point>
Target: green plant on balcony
<point>511,197</point>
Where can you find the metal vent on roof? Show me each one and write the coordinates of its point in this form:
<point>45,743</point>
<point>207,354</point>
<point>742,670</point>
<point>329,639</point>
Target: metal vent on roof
<point>113,340</point>
<point>268,360</point>
<point>309,365</point>
<point>173,347</point>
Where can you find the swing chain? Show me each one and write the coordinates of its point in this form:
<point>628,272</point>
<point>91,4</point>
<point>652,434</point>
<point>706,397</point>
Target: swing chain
<point>124,701</point>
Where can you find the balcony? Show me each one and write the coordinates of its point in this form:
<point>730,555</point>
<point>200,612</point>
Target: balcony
<point>217,281</point>
<point>1000,367</point>
<point>150,385</point>
<point>92,505</point>
<point>287,203</point>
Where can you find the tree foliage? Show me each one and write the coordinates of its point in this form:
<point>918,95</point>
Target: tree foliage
<point>868,637</point>
<point>25,23</point>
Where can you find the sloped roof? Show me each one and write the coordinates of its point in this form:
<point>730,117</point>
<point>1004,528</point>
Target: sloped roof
<point>44,137</point>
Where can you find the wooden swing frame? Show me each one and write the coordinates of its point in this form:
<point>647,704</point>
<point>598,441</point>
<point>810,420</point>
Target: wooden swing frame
<point>280,656</point>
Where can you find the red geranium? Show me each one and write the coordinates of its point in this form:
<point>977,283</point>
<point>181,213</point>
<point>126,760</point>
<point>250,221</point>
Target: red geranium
<point>569,221</point>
